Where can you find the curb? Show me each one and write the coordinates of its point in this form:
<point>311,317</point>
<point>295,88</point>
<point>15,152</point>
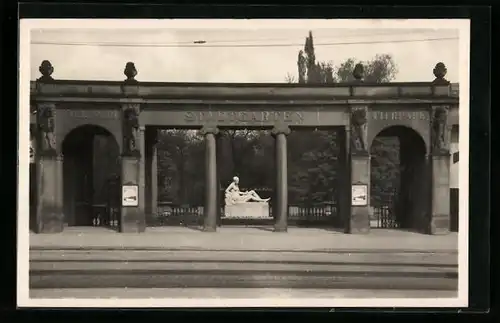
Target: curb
<point>341,251</point>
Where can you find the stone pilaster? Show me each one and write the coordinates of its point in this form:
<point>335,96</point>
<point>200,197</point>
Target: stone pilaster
<point>440,166</point>
<point>133,168</point>
<point>151,172</point>
<point>280,206</point>
<point>154,178</point>
<point>211,203</point>
<point>49,163</point>
<point>344,173</point>
<point>359,221</point>
<point>219,193</point>
<point>50,216</point>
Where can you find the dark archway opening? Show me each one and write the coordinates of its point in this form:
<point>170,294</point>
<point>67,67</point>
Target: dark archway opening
<point>399,180</point>
<point>91,171</point>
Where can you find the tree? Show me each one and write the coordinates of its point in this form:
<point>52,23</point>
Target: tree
<point>380,69</point>
<point>180,156</point>
<point>306,147</point>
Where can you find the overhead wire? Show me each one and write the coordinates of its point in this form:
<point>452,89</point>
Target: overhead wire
<point>208,45</point>
<point>300,38</point>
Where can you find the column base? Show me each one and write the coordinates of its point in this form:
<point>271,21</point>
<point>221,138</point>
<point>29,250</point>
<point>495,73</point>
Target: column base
<point>132,221</point>
<point>359,223</point>
<point>440,225</point>
<point>280,229</point>
<point>209,229</point>
<point>51,222</point>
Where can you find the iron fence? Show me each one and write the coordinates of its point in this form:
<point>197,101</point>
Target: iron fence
<point>169,214</point>
<point>383,211</point>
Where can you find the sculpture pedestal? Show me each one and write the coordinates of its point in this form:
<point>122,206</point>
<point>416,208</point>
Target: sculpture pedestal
<point>250,210</point>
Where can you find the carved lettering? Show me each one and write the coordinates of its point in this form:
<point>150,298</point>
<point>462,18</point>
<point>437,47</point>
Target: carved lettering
<point>93,114</point>
<point>245,117</point>
<point>398,115</point>
<point>189,116</point>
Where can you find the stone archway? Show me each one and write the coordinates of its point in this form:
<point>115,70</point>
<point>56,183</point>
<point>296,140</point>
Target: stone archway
<point>91,170</point>
<point>400,180</point>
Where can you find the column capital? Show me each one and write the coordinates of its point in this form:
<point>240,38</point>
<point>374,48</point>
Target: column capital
<point>133,106</point>
<point>281,129</point>
<point>209,130</point>
<point>440,154</point>
<point>360,155</point>
<point>440,107</point>
<point>358,106</point>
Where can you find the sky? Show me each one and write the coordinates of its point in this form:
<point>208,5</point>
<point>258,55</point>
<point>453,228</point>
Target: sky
<point>252,55</point>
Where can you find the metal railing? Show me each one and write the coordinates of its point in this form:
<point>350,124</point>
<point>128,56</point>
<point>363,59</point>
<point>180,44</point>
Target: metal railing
<point>182,215</point>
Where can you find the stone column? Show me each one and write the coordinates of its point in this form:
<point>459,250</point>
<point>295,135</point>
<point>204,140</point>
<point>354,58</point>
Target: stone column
<point>133,217</point>
<point>49,161</point>
<point>219,157</point>
<point>33,177</point>
<point>344,173</point>
<point>359,221</point>
<point>280,209</point>
<point>151,173</point>
<point>154,176</point>
<point>211,204</point>
<point>440,166</point>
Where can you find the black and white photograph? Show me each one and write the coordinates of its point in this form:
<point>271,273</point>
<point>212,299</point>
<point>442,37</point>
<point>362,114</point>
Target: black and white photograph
<point>243,163</point>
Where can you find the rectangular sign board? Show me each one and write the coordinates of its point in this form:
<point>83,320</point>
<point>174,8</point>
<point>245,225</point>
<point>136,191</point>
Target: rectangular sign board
<point>359,195</point>
<point>130,195</point>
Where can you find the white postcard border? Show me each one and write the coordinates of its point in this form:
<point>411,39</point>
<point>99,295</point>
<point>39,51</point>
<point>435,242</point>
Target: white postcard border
<point>26,25</point>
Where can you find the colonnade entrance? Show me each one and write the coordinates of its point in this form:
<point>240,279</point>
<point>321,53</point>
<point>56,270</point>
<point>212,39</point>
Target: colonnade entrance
<point>399,192</point>
<point>91,169</point>
<point>313,160</point>
<point>315,154</point>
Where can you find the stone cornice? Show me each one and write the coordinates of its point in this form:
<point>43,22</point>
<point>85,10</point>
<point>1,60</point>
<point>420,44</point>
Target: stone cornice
<point>296,102</point>
<point>239,91</point>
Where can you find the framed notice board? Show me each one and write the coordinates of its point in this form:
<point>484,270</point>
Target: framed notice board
<point>359,195</point>
<point>130,195</point>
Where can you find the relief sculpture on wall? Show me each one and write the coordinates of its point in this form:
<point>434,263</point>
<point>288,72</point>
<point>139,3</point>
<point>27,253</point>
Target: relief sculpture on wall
<point>439,129</point>
<point>46,121</point>
<point>359,130</point>
<point>131,130</point>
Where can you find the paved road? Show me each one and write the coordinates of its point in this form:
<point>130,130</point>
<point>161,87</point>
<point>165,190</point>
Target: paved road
<point>169,269</point>
<point>235,293</point>
<point>243,239</point>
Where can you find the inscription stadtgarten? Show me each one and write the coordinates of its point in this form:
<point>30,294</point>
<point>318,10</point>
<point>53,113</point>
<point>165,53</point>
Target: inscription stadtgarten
<point>93,114</point>
<point>399,115</point>
<point>248,117</point>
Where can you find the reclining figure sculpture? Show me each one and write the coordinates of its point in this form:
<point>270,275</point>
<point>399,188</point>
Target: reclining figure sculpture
<point>235,196</point>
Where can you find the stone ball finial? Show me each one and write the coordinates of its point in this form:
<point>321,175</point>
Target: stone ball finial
<point>46,69</point>
<point>130,72</point>
<point>440,72</point>
<point>358,72</point>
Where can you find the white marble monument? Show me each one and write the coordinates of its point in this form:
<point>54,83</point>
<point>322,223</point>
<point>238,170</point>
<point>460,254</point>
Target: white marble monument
<point>244,204</point>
